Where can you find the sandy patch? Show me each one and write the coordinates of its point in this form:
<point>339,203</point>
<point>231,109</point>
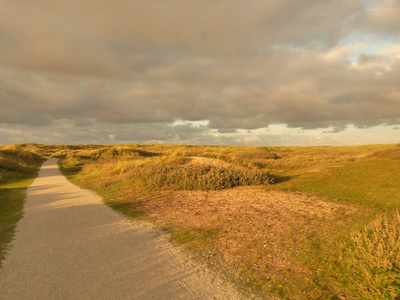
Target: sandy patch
<point>252,230</point>
<point>265,205</point>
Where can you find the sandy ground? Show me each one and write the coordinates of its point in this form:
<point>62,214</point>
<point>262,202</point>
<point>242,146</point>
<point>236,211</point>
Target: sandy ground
<point>69,245</point>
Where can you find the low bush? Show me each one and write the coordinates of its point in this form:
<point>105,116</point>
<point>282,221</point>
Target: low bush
<point>9,165</point>
<point>178,176</point>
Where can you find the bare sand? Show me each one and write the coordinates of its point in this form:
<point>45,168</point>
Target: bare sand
<point>69,245</point>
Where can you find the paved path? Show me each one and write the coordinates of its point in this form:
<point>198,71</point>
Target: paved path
<point>69,245</point>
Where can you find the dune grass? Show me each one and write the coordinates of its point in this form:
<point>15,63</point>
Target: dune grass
<point>271,251</point>
<point>18,169</point>
<point>373,258</point>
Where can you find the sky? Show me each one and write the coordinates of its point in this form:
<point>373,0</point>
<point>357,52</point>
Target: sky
<point>208,72</point>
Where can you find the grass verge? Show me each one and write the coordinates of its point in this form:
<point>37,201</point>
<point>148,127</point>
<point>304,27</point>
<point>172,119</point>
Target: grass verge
<point>18,169</point>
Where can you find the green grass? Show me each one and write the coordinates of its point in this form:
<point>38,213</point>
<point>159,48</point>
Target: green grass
<point>11,205</point>
<point>372,257</point>
<point>18,169</point>
<point>371,182</point>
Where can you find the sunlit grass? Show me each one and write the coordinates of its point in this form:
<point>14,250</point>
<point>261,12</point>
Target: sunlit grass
<point>373,257</point>
<point>18,168</point>
<point>372,182</point>
<point>304,255</point>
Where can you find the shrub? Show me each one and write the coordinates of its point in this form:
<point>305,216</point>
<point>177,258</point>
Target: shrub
<point>199,177</point>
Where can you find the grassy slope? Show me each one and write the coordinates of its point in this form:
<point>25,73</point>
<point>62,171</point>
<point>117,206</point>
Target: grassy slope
<point>18,169</point>
<point>364,177</point>
<point>371,182</point>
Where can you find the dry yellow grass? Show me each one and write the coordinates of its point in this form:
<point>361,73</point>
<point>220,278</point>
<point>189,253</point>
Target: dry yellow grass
<point>282,239</point>
<point>373,255</point>
<point>257,233</point>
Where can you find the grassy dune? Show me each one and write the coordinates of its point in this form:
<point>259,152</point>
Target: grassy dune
<point>292,222</point>
<point>302,243</point>
<point>18,168</point>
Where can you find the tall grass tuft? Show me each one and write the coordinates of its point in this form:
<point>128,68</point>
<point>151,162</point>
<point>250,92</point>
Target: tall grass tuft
<point>391,153</point>
<point>15,162</point>
<point>373,258</point>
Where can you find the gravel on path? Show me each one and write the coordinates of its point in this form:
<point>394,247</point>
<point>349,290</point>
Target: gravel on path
<point>69,245</point>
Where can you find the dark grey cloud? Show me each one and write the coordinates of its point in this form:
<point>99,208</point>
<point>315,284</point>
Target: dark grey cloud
<point>89,68</point>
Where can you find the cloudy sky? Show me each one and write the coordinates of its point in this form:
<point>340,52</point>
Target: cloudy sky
<point>236,72</point>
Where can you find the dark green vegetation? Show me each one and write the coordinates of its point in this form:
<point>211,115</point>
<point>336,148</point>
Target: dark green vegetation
<point>331,230</point>
<point>18,168</point>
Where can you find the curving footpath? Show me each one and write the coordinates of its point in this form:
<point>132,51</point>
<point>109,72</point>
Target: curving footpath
<point>69,245</point>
